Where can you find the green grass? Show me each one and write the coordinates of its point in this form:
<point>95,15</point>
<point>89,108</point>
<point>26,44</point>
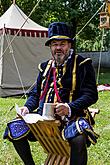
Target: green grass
<point>8,156</point>
<point>98,154</point>
<point>104,76</point>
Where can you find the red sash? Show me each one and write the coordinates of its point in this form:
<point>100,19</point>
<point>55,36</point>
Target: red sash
<point>55,86</point>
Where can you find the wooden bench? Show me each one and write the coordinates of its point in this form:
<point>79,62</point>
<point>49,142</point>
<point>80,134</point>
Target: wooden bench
<point>49,136</point>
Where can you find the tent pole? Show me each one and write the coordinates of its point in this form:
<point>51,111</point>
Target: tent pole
<point>14,2</point>
<point>1,53</point>
<point>99,64</point>
<point>2,42</point>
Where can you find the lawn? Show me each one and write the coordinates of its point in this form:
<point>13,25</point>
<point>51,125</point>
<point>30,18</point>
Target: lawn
<point>98,154</point>
<point>104,76</point>
<point>8,155</point>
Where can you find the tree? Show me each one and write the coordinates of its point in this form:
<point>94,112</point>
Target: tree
<point>4,6</point>
<point>74,12</point>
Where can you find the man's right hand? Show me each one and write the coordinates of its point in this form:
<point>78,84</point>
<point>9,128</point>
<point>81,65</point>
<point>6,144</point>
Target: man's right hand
<point>24,110</point>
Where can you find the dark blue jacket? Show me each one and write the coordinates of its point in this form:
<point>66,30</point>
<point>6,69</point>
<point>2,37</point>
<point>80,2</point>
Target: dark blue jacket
<point>75,82</point>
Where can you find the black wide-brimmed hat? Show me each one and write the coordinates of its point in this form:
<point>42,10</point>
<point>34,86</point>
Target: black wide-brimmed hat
<point>58,31</point>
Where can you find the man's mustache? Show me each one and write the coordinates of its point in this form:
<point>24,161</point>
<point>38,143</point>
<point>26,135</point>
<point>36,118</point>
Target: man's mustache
<point>58,51</point>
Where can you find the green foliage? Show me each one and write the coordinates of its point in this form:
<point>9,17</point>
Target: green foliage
<point>86,44</point>
<point>5,4</point>
<point>76,13</point>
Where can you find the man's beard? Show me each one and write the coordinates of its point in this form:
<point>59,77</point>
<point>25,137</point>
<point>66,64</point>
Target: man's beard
<point>58,58</point>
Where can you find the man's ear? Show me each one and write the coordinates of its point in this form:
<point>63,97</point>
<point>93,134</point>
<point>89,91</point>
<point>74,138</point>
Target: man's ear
<point>69,44</point>
<point>49,45</point>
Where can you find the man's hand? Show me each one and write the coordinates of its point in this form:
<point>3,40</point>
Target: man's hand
<point>62,109</point>
<point>24,110</point>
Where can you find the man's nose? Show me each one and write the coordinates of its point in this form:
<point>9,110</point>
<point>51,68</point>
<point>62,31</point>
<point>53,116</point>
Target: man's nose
<point>58,47</point>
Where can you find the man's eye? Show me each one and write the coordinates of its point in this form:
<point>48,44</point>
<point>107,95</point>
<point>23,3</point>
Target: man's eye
<point>54,45</point>
<point>62,44</point>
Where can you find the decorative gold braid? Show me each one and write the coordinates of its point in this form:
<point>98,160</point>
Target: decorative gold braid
<point>60,37</point>
<point>39,67</point>
<point>87,117</point>
<point>47,68</point>
<point>73,78</point>
<point>87,59</point>
<point>45,73</point>
<point>55,98</point>
<point>78,127</point>
<point>64,69</point>
<point>47,95</point>
<point>59,80</point>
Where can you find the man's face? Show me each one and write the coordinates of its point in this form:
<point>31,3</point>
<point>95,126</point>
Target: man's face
<point>60,50</point>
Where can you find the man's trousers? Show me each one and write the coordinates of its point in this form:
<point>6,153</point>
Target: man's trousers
<point>78,155</point>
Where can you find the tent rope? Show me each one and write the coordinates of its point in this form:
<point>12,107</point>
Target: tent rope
<point>97,81</point>
<point>100,56</point>
<point>12,53</point>
<point>20,29</point>
<point>13,1</point>
<point>11,108</point>
<point>89,20</point>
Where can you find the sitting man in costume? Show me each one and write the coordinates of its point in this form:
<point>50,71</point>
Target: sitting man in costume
<point>68,81</point>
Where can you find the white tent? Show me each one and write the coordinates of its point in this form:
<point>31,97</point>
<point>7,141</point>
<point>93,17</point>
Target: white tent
<point>19,60</point>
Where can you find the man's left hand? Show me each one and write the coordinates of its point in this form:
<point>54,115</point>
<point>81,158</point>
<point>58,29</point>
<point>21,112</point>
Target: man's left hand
<point>62,109</point>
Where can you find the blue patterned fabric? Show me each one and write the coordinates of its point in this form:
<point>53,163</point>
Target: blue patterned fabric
<point>81,125</point>
<point>71,131</point>
<point>17,129</point>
